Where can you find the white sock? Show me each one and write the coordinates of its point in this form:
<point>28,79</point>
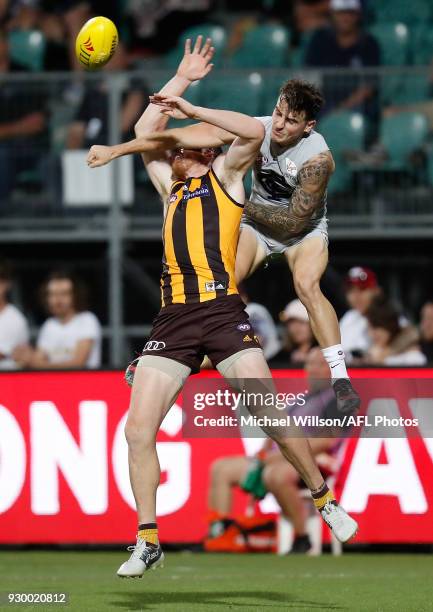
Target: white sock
<point>334,355</point>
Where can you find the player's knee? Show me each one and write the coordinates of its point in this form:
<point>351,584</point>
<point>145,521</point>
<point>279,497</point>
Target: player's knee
<point>307,287</point>
<point>138,436</point>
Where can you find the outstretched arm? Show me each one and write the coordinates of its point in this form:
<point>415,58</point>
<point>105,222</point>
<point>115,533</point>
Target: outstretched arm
<point>288,220</point>
<point>248,132</point>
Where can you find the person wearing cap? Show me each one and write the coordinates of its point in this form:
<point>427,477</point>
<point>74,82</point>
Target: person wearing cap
<point>364,294</point>
<point>298,335</point>
<point>345,44</point>
<point>361,289</point>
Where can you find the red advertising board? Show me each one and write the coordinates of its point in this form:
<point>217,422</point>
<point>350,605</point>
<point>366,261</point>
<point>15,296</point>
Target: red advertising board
<point>64,475</point>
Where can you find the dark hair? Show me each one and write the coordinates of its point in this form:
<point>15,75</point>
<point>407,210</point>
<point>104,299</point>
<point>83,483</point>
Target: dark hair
<point>302,96</point>
<point>382,313</point>
<point>5,270</point>
<point>79,290</point>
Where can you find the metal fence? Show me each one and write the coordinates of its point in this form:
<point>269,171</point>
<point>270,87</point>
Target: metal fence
<point>383,185</point>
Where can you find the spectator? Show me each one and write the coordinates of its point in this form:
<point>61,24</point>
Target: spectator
<point>71,337</point>
<point>389,344</point>
<point>298,337</point>
<point>263,325</point>
<point>278,476</point>
<point>345,44</point>
<point>13,325</point>
<point>23,125</point>
<point>91,124</point>
<point>361,288</point>
<point>426,329</point>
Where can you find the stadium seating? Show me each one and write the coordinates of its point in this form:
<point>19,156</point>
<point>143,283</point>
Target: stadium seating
<point>393,39</point>
<point>401,134</point>
<point>238,92</point>
<point>422,44</point>
<point>344,132</point>
<point>266,46</point>
<point>406,11</point>
<point>216,32</point>
<point>27,47</point>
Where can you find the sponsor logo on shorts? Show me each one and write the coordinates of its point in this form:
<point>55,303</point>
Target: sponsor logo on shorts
<point>243,327</point>
<point>215,286</point>
<point>247,338</point>
<point>256,338</point>
<point>154,345</point>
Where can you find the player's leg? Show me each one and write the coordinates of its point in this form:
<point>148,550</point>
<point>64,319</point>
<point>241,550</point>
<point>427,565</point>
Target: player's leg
<point>239,369</point>
<point>308,260</point>
<point>251,252</point>
<point>157,382</point>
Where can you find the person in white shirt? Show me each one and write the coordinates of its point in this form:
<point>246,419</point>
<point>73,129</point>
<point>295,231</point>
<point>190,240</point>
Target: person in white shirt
<point>361,289</point>
<point>14,329</point>
<point>71,337</point>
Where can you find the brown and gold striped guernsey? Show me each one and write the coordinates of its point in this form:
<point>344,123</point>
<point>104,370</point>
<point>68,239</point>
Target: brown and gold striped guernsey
<point>200,235</point>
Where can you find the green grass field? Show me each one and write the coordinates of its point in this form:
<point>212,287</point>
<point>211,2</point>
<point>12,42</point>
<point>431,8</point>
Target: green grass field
<point>199,582</point>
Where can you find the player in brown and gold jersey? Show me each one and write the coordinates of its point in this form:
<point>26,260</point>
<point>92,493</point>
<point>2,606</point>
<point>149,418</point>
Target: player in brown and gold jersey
<point>201,313</point>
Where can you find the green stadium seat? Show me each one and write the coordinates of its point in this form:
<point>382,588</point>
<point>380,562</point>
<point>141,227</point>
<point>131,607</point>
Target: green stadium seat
<point>27,47</point>
<point>406,11</point>
<point>401,134</point>
<point>422,44</point>
<point>343,131</point>
<point>238,92</point>
<point>393,39</point>
<point>207,30</point>
<point>266,46</point>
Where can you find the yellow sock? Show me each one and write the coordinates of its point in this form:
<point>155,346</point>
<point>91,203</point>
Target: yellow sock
<point>322,496</point>
<point>149,533</point>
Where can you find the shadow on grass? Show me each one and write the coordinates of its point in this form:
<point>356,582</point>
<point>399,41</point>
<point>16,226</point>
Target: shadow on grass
<point>262,599</point>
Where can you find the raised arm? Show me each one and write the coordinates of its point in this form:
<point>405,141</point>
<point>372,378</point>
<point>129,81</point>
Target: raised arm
<point>289,219</point>
<point>248,133</point>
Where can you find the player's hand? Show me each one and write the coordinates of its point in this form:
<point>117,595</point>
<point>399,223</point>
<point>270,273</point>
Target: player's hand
<point>99,155</point>
<point>195,64</point>
<point>173,106</point>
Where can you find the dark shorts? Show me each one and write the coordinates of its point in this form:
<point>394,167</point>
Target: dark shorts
<point>187,332</point>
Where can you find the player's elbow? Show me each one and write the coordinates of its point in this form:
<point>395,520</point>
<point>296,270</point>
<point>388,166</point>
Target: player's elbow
<point>257,132</point>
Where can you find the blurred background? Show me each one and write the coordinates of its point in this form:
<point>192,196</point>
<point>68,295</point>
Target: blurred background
<point>372,61</point>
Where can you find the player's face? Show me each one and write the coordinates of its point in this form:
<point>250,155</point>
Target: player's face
<point>289,127</point>
<point>183,160</point>
<point>60,297</point>
<point>426,323</point>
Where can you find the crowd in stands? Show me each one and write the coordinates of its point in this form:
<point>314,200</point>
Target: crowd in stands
<point>70,338</point>
<point>373,330</point>
<point>39,35</point>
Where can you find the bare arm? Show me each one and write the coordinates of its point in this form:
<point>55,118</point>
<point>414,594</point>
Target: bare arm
<point>37,359</point>
<point>248,133</point>
<point>287,220</point>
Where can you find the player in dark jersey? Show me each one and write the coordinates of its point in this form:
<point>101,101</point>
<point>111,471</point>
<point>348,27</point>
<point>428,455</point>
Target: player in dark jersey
<point>201,312</point>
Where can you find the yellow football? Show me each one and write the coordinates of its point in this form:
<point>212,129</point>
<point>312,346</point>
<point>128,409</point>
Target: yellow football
<point>96,43</point>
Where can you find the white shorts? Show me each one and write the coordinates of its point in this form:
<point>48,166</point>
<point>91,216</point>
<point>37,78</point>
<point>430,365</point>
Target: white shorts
<point>272,246</point>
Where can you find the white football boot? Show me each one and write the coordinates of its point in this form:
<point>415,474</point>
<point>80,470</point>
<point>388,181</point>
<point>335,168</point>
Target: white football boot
<point>144,556</point>
<point>343,526</point>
